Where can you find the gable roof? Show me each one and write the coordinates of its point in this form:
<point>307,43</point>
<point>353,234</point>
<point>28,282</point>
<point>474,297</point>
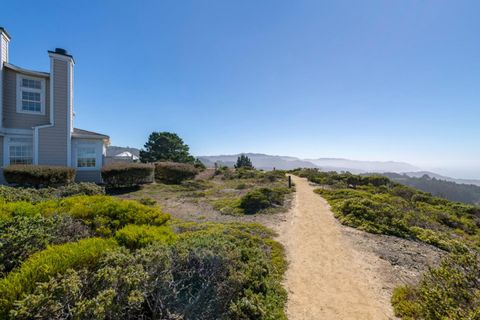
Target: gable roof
<point>80,133</point>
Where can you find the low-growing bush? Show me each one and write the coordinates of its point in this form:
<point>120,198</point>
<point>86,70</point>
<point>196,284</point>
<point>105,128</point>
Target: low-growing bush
<point>106,214</point>
<point>229,206</point>
<point>47,263</point>
<point>39,175</point>
<point>32,195</point>
<point>22,236</point>
<point>122,175</point>
<point>103,214</point>
<point>262,198</point>
<point>136,237</point>
<point>451,291</point>
<point>174,173</point>
<point>211,272</point>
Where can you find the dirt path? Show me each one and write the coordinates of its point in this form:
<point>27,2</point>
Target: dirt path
<point>326,279</point>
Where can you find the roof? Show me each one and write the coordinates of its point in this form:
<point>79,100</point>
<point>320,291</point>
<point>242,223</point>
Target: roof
<point>126,154</point>
<point>2,29</point>
<point>26,71</point>
<point>80,133</point>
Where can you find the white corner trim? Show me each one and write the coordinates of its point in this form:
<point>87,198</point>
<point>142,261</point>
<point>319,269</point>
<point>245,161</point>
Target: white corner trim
<point>41,91</point>
<point>69,112</point>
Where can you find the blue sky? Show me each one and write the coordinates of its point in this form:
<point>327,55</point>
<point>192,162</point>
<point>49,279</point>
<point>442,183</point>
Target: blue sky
<point>370,80</point>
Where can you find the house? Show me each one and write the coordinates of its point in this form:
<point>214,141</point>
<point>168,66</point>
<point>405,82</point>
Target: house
<point>122,157</point>
<point>37,118</point>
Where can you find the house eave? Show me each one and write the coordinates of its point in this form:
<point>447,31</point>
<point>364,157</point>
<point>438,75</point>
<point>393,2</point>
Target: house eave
<point>26,71</point>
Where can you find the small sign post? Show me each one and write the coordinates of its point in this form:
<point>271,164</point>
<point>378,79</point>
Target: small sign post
<point>289,182</point>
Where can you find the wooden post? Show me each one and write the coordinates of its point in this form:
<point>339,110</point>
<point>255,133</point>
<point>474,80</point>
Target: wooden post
<point>289,182</point>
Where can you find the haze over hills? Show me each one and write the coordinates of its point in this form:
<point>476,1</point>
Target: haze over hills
<point>268,162</point>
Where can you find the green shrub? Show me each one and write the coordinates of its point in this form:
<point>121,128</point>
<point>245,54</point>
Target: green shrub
<point>211,272</point>
<point>122,175</point>
<point>147,201</point>
<point>174,173</point>
<point>262,198</point>
<point>106,214</point>
<point>103,214</point>
<point>22,236</point>
<point>229,206</point>
<point>47,263</point>
<point>135,237</point>
<point>12,194</point>
<point>78,189</point>
<point>39,176</point>
<point>275,175</point>
<point>451,291</point>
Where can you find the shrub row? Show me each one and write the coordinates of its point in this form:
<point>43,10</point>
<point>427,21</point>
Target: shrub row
<point>39,176</point>
<point>114,176</point>
<point>174,173</point>
<point>127,175</point>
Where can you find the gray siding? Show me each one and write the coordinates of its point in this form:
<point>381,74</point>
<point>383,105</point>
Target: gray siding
<point>2,178</point>
<point>89,176</point>
<point>12,119</point>
<point>53,141</point>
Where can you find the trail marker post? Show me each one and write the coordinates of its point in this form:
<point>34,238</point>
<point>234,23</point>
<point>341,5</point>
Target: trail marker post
<point>289,182</point>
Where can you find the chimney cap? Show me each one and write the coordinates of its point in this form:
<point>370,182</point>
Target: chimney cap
<point>4,31</point>
<point>62,52</point>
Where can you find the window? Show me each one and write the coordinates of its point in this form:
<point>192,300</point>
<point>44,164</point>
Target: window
<point>20,151</point>
<point>86,157</point>
<point>31,95</point>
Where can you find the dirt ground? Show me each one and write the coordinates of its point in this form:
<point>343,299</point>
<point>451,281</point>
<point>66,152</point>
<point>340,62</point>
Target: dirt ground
<point>336,272</point>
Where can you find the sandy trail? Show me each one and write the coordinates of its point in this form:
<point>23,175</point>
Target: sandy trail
<point>326,279</point>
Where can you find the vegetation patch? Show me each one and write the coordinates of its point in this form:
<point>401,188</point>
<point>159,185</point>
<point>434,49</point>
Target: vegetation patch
<point>451,291</point>
<point>125,175</point>
<point>39,176</point>
<point>12,194</point>
<point>174,173</point>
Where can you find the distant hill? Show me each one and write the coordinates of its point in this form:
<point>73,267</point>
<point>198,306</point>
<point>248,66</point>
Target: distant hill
<point>260,161</point>
<point>268,162</point>
<point>419,174</point>
<point>358,166</point>
<point>114,150</point>
<point>467,193</point>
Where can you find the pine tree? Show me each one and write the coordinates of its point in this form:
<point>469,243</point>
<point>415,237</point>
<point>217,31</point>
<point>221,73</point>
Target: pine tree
<point>243,162</point>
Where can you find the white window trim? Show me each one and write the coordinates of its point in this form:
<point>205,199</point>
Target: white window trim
<point>41,91</point>
<point>97,144</point>
<point>6,148</point>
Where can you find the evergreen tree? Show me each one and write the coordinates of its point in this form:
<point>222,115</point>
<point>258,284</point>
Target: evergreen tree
<point>243,162</point>
<point>165,146</point>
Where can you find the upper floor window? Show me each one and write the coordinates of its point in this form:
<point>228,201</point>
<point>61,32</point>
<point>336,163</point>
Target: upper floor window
<point>30,95</point>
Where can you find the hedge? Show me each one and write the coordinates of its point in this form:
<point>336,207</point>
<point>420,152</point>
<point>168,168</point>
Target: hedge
<point>39,175</point>
<point>173,172</point>
<point>127,174</point>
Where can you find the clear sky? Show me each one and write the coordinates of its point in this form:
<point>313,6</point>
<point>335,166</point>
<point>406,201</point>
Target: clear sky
<point>370,80</point>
